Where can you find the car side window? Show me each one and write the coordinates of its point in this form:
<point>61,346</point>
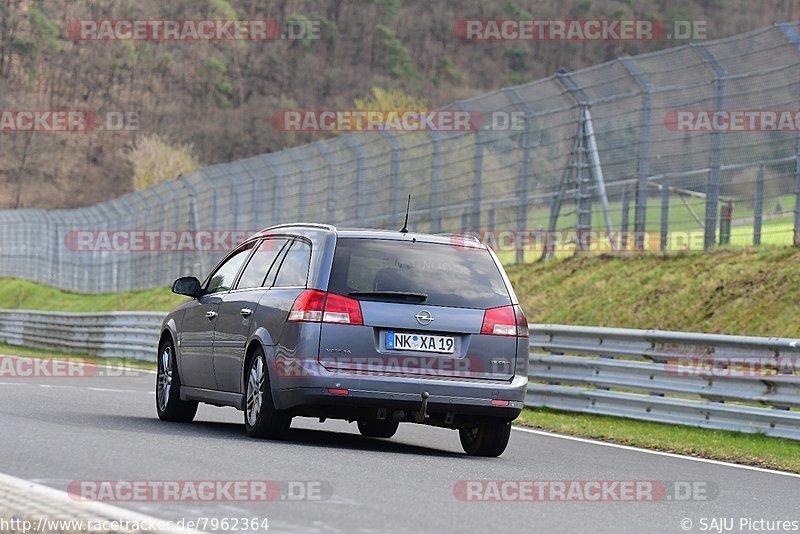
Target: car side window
<point>294,268</point>
<point>224,276</point>
<point>260,264</point>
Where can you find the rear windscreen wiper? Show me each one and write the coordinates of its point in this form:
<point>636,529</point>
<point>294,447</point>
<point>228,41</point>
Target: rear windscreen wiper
<point>391,295</point>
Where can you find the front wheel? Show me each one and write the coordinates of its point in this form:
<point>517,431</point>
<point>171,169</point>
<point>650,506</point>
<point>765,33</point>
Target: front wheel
<point>486,439</point>
<point>261,418</point>
<point>169,405</point>
<point>378,429</point>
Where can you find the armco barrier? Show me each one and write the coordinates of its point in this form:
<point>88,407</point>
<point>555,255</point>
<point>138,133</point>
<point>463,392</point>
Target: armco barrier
<point>611,371</point>
<point>742,383</point>
<point>109,335</point>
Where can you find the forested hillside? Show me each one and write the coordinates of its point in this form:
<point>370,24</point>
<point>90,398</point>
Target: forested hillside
<point>219,96</point>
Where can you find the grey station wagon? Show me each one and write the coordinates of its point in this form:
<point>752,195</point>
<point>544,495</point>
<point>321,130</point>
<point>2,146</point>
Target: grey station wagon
<point>373,326</point>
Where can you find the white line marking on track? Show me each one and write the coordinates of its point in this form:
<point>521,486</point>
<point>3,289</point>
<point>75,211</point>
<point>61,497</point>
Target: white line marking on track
<point>40,495</point>
<point>658,453</point>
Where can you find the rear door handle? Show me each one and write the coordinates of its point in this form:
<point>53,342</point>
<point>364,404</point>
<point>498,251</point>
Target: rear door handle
<point>210,314</point>
<point>246,312</point>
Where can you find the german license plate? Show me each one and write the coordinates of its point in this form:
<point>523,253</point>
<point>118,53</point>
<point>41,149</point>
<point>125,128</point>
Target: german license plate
<point>420,342</point>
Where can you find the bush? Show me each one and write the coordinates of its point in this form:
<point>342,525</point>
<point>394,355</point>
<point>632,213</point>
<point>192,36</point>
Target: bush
<point>154,160</point>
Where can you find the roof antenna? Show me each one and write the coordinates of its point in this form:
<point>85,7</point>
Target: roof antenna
<point>404,230</point>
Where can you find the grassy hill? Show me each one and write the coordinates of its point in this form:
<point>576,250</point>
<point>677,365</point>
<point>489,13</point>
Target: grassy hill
<point>734,291</point>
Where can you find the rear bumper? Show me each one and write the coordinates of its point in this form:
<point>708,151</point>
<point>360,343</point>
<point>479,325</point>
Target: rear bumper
<point>458,397</point>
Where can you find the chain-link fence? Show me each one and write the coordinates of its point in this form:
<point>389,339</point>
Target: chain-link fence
<point>690,147</point>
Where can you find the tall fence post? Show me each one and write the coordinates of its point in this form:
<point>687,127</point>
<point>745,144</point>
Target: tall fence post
<point>436,180</point>
<point>394,177</point>
<point>758,206</point>
<point>524,170</point>
<point>302,166</point>
<point>626,201</point>
<point>793,37</point>
<point>664,217</point>
<point>584,223</point>
<point>477,176</point>
<point>640,217</point>
<point>331,159</point>
<point>358,151</point>
<point>193,216</point>
<point>796,239</point>
<point>712,187</point>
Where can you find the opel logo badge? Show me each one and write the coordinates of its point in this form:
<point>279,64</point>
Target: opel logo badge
<point>424,317</point>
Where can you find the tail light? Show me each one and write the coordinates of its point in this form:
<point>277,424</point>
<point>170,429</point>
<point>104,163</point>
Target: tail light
<point>343,310</point>
<point>316,306</point>
<point>505,321</point>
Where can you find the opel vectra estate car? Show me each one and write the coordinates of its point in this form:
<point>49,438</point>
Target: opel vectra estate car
<point>373,326</point>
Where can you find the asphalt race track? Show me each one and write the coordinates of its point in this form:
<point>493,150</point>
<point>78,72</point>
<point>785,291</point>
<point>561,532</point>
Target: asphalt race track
<point>55,431</point>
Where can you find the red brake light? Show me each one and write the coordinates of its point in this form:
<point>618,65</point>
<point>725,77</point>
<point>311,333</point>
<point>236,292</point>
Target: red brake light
<point>344,310</point>
<point>504,321</point>
<point>308,306</point>
<point>317,306</point>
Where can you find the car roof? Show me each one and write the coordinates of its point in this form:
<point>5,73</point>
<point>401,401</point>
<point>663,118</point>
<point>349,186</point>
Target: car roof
<point>372,233</point>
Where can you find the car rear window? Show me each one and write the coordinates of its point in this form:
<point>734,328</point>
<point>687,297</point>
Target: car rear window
<point>449,275</point>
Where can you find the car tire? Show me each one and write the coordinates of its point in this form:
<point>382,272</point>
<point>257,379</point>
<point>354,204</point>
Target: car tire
<point>261,419</point>
<point>378,429</point>
<point>486,439</point>
<point>169,405</point>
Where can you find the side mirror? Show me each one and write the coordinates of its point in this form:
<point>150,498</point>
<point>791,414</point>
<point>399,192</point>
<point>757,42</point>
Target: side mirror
<point>187,285</point>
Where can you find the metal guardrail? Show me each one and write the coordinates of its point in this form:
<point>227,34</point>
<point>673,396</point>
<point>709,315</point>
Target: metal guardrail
<point>108,335</point>
<point>642,374</point>
<point>741,383</point>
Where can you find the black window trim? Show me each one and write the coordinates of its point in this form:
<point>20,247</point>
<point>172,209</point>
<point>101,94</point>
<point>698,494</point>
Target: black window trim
<point>219,265</point>
<point>282,252</point>
<point>304,240</point>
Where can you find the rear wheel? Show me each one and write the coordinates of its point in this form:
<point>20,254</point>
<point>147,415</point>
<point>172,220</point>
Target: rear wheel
<point>378,429</point>
<point>169,405</point>
<point>261,418</point>
<point>486,439</point>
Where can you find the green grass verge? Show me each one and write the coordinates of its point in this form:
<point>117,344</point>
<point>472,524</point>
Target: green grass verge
<point>748,449</point>
<point>729,291</point>
<point>15,293</point>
